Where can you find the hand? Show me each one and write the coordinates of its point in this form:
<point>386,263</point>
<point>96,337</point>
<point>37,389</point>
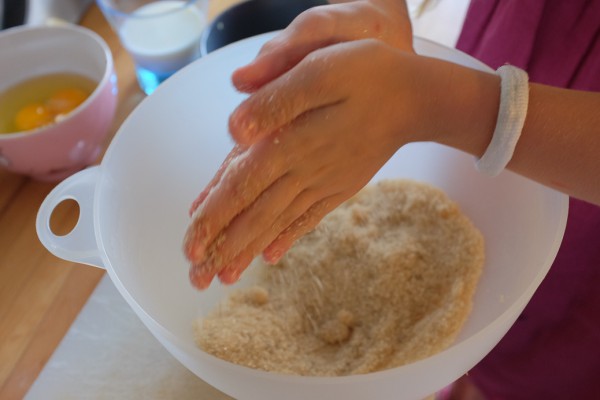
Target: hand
<point>325,128</point>
<point>318,27</point>
<point>293,166</point>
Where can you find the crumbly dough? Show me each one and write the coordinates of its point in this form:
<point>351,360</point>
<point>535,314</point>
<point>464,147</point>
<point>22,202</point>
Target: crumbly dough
<point>384,280</point>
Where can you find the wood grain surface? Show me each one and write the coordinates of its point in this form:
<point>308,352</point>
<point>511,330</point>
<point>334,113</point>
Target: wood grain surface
<point>40,294</point>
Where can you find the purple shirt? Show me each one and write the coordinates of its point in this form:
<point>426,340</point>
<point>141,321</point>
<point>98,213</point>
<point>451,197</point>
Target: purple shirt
<point>553,350</point>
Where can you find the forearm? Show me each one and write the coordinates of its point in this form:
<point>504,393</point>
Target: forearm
<point>560,143</point>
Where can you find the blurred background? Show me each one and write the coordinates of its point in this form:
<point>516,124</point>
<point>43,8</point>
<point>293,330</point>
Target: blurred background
<point>20,12</point>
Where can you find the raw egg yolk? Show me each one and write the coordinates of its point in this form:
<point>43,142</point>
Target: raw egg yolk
<point>65,100</point>
<point>33,116</point>
<point>36,115</point>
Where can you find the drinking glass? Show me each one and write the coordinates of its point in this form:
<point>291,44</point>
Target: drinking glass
<point>162,36</point>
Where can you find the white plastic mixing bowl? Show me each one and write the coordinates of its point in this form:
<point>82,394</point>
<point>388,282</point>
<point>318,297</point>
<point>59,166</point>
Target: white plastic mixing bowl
<point>133,215</point>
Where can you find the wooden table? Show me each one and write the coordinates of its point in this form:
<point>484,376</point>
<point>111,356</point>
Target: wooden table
<point>40,295</point>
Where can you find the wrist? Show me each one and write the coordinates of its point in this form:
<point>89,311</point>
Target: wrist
<point>460,108</point>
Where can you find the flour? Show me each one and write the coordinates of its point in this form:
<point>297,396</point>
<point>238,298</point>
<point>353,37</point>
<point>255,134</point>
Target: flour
<point>384,280</point>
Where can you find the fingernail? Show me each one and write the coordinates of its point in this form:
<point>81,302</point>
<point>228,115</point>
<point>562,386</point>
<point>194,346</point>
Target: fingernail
<point>242,128</point>
<point>199,278</point>
<point>230,276</point>
<point>195,246</point>
<point>194,251</point>
<point>245,87</point>
<point>241,81</point>
<point>273,256</point>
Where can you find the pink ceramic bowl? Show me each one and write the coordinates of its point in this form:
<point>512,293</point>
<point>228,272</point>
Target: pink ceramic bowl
<point>58,150</point>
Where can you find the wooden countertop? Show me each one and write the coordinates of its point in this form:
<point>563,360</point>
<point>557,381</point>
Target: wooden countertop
<point>40,294</point>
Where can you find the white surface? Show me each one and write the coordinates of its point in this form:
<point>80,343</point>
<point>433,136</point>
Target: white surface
<point>108,353</point>
<point>441,22</point>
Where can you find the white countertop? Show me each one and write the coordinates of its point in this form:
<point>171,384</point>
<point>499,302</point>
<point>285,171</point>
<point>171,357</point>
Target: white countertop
<point>109,354</point>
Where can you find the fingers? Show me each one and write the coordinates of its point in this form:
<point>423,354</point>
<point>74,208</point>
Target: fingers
<point>242,181</point>
<point>231,274</point>
<point>300,219</point>
<point>308,32</point>
<point>233,262</point>
<point>247,235</point>
<point>309,86</point>
<point>235,152</point>
<point>320,27</point>
<point>276,58</point>
<point>200,277</point>
<point>251,190</point>
<point>250,228</point>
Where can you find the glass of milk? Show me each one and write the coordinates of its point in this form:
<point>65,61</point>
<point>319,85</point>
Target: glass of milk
<point>162,36</point>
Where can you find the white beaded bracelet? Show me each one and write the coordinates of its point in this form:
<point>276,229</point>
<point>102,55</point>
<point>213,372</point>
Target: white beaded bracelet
<point>514,99</point>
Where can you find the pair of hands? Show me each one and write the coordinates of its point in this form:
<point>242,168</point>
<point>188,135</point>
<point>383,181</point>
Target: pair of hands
<point>323,115</point>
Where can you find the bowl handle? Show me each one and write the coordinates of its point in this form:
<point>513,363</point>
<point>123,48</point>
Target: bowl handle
<point>80,244</point>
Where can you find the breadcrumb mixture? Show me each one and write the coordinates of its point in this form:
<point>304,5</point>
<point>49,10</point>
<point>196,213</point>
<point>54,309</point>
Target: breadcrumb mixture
<point>384,280</point>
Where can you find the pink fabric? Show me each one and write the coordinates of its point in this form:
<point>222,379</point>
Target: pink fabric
<point>553,350</point>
